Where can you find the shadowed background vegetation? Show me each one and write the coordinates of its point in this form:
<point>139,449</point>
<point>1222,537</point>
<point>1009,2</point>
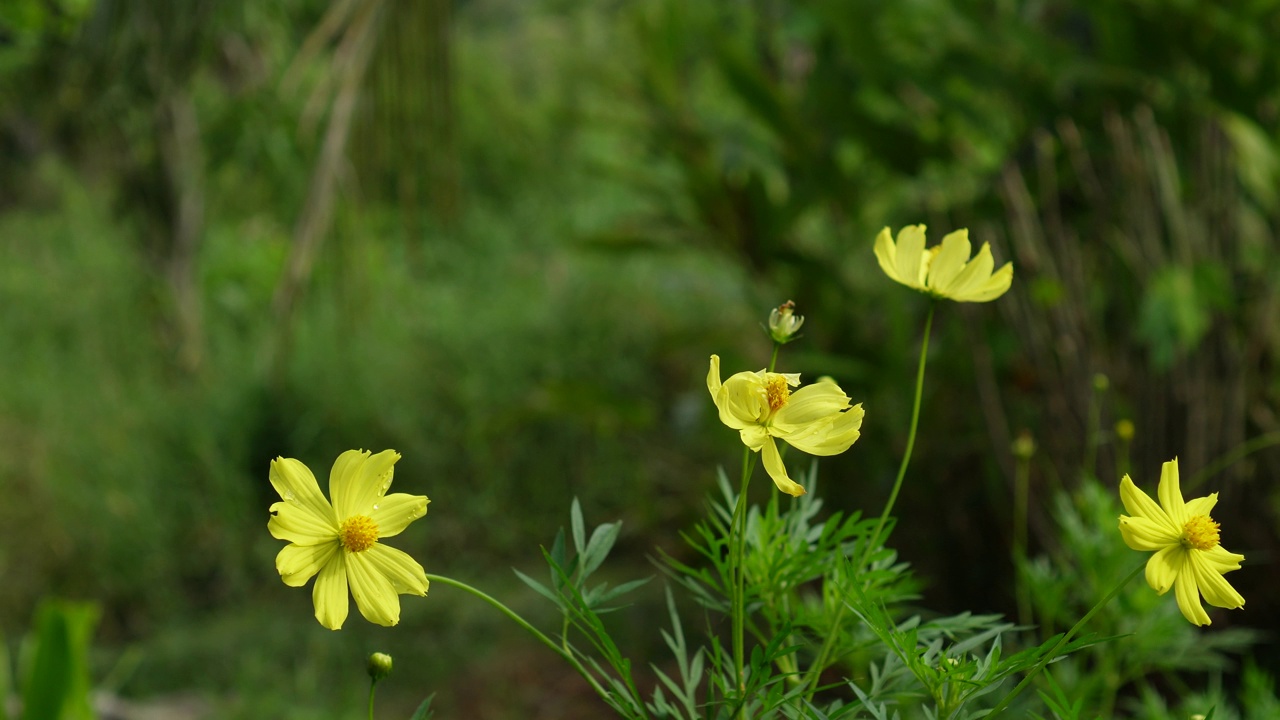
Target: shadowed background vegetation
<point>504,237</point>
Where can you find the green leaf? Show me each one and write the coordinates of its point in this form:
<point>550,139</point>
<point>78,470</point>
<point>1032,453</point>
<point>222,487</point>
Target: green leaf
<point>424,711</point>
<point>579,531</point>
<point>57,681</point>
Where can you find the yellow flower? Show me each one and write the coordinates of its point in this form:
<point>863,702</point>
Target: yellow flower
<point>340,541</point>
<point>943,271</point>
<point>760,406</point>
<point>1187,556</point>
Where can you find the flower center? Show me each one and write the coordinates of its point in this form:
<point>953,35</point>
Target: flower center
<point>1200,532</point>
<point>359,532</point>
<point>777,392</point>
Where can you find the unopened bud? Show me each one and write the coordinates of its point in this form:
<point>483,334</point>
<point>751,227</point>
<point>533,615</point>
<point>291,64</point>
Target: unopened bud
<point>1124,429</point>
<point>1101,382</point>
<point>1024,446</point>
<point>784,323</point>
<point>379,666</point>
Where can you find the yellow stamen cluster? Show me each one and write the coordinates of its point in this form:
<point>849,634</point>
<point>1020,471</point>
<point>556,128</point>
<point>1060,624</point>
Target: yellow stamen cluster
<point>777,392</point>
<point>358,533</point>
<point>1200,532</point>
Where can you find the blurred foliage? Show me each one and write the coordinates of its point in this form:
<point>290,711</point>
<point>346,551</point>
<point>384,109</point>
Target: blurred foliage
<point>544,217</point>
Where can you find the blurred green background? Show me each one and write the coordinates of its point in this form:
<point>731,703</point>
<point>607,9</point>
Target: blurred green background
<point>503,237</point>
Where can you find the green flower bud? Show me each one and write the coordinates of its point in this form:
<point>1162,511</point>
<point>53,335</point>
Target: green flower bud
<point>1024,446</point>
<point>1101,382</point>
<point>379,666</point>
<point>784,323</point>
<point>1124,430</point>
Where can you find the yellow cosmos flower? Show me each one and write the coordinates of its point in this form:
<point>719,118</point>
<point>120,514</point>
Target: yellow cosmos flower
<point>340,541</point>
<point>1187,556</point>
<point>761,406</point>
<point>943,271</point>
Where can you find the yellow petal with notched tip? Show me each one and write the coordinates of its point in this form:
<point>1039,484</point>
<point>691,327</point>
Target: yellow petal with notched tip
<point>831,438</point>
<point>299,563</point>
<point>1185,590</point>
<point>1215,588</point>
<point>949,261</point>
<point>330,593</point>
<point>374,594</point>
<point>1163,567</point>
<point>810,404</point>
<point>1140,533</point>
<point>1138,504</point>
<point>1201,506</point>
<point>300,525</point>
<point>910,256</point>
<point>777,470</point>
<point>295,484</point>
<point>404,573</point>
<point>887,254</point>
<point>393,513</point>
<point>1170,493</point>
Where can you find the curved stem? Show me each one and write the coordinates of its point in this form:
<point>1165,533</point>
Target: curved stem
<point>1004,702</point>
<point>911,442</point>
<point>1239,453</point>
<point>738,531</point>
<point>819,664</point>
<point>564,653</point>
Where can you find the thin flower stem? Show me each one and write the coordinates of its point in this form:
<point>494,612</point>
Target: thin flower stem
<point>819,664</point>
<point>1239,453</point>
<point>738,529</point>
<point>564,653</point>
<point>372,684</point>
<point>911,442</point>
<point>1053,653</point>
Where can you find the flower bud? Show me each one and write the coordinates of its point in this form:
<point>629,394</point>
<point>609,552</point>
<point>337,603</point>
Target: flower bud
<point>1101,382</point>
<point>784,323</point>
<point>1124,430</point>
<point>379,666</point>
<point>1024,446</point>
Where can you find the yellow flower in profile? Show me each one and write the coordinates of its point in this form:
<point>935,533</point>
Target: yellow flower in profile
<point>943,271</point>
<point>761,406</point>
<point>1187,556</point>
<point>340,541</point>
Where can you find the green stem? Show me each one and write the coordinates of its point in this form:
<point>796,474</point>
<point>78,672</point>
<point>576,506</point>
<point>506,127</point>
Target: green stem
<point>1021,491</point>
<point>738,529</point>
<point>564,653</point>
<point>372,684</point>
<point>773,361</point>
<point>911,442</point>
<point>815,670</point>
<point>1004,702</point>
<point>1239,453</point>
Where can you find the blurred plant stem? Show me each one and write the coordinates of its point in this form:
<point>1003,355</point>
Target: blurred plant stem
<point>1021,489</point>
<point>1237,454</point>
<point>1066,638</point>
<point>515,617</point>
<point>739,573</point>
<point>815,671</point>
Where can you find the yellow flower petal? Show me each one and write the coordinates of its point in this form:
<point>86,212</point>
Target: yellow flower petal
<point>995,286</point>
<point>777,470</point>
<point>393,513</point>
<point>1170,494</point>
<point>1138,504</point>
<point>886,253</point>
<point>754,436</point>
<point>1215,588</point>
<point>1201,506</point>
<point>949,261</point>
<point>1188,598</point>
<point>358,479</point>
<point>1142,534</point>
<point>299,563</point>
<point>833,437</point>
<point>374,594</point>
<point>808,405</point>
<point>330,593</point>
<point>1220,560</point>
<point>300,525</point>
<point>405,574</point>
<point>713,377</point>
<point>910,254</point>
<point>295,484</point>
<point>1163,568</point>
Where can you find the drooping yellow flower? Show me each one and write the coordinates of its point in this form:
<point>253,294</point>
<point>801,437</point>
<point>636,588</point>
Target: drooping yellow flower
<point>340,541</point>
<point>1187,555</point>
<point>943,271</point>
<point>761,406</point>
